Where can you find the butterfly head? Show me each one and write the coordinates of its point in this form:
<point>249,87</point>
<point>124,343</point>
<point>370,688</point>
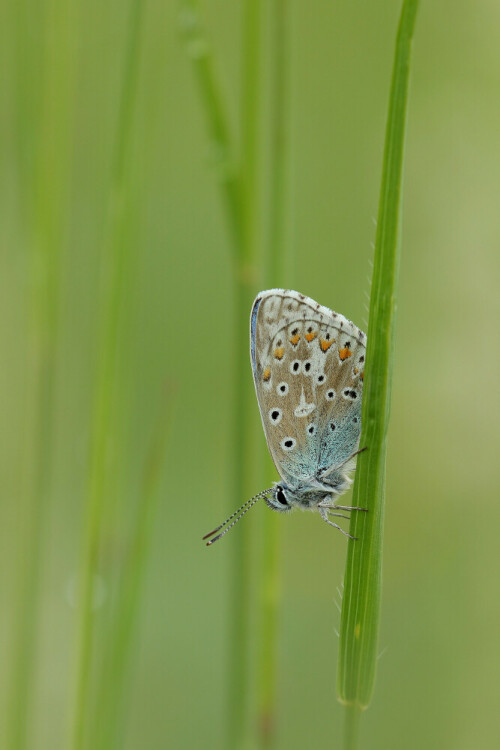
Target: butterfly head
<point>280,499</point>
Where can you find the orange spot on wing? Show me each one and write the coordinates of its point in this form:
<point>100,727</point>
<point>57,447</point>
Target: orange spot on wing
<point>295,339</point>
<point>325,345</point>
<point>344,353</point>
<point>267,374</point>
<point>362,376</point>
<point>355,370</point>
<point>279,352</point>
<point>310,336</point>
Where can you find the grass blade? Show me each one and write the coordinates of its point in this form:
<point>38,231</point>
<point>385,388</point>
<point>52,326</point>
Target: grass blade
<point>279,248</point>
<point>362,585</point>
<point>45,69</point>
<point>117,654</point>
<point>244,413</point>
<point>222,147</point>
<point>115,264</point>
<point>277,272</point>
<point>238,181</point>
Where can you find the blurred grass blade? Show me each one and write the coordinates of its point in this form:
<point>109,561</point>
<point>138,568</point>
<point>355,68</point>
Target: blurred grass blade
<point>223,153</point>
<point>113,675</point>
<point>115,262</point>
<point>238,179</point>
<point>244,414</point>
<point>276,264</point>
<point>279,247</point>
<point>362,585</point>
<point>45,67</point>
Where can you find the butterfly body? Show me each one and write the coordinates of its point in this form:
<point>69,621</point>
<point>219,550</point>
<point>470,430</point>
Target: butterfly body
<point>308,366</point>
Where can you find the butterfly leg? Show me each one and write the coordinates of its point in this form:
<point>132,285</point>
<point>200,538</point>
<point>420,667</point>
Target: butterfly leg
<point>338,515</point>
<point>323,513</point>
<point>349,507</point>
<point>332,506</point>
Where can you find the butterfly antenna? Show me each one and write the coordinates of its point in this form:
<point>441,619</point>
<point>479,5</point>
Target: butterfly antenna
<point>239,513</point>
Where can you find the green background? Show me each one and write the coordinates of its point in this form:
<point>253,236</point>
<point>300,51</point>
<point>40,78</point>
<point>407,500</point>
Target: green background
<point>437,684</point>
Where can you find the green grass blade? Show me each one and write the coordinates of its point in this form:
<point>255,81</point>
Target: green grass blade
<point>278,262</point>
<point>244,413</point>
<point>110,716</point>
<point>362,584</point>
<point>222,146</point>
<point>238,181</point>
<point>279,249</point>
<point>45,68</point>
<point>116,260</point>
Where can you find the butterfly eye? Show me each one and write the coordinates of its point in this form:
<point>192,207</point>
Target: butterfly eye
<point>281,497</point>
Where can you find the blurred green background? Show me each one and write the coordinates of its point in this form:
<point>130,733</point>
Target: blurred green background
<point>438,676</point>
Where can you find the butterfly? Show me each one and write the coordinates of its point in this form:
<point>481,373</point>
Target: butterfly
<point>308,368</point>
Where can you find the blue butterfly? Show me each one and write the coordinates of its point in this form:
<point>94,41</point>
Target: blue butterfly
<point>308,366</point>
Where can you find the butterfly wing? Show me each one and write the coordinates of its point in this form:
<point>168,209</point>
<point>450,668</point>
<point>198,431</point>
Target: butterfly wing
<point>308,364</point>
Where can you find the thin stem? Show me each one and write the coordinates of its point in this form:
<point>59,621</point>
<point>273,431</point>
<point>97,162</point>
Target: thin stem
<point>117,653</point>
<point>115,263</point>
<point>243,421</point>
<point>249,129</point>
<point>270,602</point>
<point>362,588</point>
<point>278,252</point>
<point>222,147</point>
<point>239,607</point>
<point>239,190</point>
<point>351,727</point>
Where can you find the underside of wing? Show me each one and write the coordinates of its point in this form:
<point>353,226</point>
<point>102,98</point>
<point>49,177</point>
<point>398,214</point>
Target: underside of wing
<point>308,365</point>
